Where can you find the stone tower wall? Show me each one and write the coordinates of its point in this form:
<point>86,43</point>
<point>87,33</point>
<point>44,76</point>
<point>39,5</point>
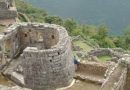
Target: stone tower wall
<point>3,6</point>
<point>8,14</point>
<point>48,67</point>
<point>48,70</point>
<point>46,54</point>
<point>30,36</point>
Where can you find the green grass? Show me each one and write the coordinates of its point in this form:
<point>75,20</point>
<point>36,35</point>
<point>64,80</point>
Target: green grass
<point>104,58</point>
<point>83,45</point>
<point>1,28</point>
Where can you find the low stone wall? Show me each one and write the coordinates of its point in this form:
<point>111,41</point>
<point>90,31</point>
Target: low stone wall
<point>115,53</point>
<point>122,81</point>
<point>116,79</point>
<point>100,52</point>
<point>127,85</point>
<point>92,68</point>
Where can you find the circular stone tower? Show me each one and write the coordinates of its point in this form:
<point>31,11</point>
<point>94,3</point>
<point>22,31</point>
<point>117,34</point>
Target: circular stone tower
<point>48,60</point>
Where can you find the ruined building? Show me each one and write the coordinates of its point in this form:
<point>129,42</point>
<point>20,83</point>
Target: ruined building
<point>45,53</point>
<point>44,50</point>
<point>38,56</point>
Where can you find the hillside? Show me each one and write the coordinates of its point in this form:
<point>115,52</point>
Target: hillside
<point>90,35</point>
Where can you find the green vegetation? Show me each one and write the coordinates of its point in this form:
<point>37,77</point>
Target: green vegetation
<point>2,28</point>
<point>34,14</point>
<point>93,36</point>
<point>53,20</point>
<point>83,45</point>
<point>104,58</point>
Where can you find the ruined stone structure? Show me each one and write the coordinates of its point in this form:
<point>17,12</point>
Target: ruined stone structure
<point>38,56</point>
<point>45,53</point>
<point>110,76</point>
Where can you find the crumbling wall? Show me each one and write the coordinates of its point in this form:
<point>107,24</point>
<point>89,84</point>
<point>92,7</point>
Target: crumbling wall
<point>115,52</point>
<point>116,79</point>
<point>11,41</point>
<point>122,81</point>
<point>127,85</point>
<point>34,36</point>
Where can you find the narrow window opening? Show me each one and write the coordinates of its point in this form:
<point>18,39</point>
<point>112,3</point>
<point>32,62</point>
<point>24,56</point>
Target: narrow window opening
<point>58,53</point>
<point>25,35</point>
<point>16,36</point>
<point>52,37</point>
<point>50,60</point>
<point>29,30</point>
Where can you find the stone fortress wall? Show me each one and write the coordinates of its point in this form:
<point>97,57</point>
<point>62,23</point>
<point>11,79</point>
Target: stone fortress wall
<point>45,51</point>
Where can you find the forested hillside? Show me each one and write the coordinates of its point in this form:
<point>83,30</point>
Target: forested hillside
<point>90,35</point>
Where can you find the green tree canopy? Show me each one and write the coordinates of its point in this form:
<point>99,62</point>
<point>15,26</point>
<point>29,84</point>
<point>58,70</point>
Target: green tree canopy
<point>70,24</point>
<point>102,31</point>
<point>53,20</point>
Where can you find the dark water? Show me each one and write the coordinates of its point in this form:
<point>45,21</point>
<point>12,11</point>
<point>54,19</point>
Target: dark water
<point>114,13</point>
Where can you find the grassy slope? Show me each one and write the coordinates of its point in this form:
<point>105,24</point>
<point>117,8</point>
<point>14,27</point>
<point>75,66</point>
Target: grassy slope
<point>2,28</point>
<point>104,58</point>
<point>83,45</point>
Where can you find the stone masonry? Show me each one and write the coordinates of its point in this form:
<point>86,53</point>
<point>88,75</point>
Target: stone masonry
<point>46,54</point>
<point>7,9</point>
<point>38,56</point>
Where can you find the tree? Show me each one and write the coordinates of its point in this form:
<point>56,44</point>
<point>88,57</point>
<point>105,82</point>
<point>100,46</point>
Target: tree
<point>127,39</point>
<point>76,32</point>
<point>70,25</point>
<point>53,20</point>
<point>102,31</point>
<point>89,30</point>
